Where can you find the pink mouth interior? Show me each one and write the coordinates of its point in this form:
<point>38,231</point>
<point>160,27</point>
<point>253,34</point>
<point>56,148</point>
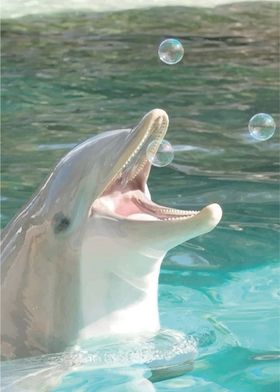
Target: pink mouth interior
<point>128,196</point>
<point>135,204</point>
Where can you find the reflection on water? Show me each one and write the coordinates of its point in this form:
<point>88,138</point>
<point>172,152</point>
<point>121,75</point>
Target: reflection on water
<point>68,77</point>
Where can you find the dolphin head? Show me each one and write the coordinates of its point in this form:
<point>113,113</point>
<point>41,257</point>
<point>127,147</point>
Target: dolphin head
<point>98,202</point>
<point>125,233</point>
<point>106,176</point>
<point>125,198</point>
<point>90,244</point>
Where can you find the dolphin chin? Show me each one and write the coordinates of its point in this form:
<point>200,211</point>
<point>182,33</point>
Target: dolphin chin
<point>82,258</point>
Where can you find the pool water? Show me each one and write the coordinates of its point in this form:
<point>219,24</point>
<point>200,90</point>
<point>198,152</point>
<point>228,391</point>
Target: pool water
<point>67,77</point>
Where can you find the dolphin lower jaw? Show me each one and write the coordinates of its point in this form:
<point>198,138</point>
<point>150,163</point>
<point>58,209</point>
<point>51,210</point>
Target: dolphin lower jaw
<point>136,205</point>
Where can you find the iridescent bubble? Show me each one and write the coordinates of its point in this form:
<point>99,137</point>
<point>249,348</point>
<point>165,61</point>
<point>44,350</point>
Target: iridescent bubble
<point>160,155</point>
<point>262,126</point>
<point>171,51</point>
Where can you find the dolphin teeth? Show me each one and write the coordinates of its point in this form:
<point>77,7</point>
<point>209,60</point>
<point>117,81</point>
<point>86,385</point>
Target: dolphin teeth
<point>157,135</point>
<point>157,131</point>
<point>162,213</point>
<point>176,218</point>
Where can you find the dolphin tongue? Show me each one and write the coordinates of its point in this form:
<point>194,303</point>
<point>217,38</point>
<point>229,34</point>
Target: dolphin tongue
<point>135,204</point>
<point>122,205</point>
<point>142,217</point>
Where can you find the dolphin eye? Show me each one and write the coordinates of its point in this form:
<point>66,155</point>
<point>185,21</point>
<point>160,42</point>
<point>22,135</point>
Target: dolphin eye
<point>60,222</point>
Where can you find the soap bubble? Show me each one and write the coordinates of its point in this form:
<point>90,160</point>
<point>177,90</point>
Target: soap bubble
<point>171,51</point>
<point>262,126</point>
<point>160,155</point>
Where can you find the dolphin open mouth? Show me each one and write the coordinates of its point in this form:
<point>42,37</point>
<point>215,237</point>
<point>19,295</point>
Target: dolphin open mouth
<point>126,196</point>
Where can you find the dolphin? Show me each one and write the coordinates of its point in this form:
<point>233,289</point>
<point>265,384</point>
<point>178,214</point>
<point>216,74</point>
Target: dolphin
<point>82,258</point>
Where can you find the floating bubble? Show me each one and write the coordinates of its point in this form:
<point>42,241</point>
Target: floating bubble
<point>160,155</point>
<point>262,126</point>
<point>171,51</point>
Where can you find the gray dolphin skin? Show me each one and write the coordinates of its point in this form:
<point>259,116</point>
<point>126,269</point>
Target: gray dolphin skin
<point>82,258</point>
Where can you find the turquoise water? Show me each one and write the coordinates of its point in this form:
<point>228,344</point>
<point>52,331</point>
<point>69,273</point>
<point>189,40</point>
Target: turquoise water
<point>68,77</point>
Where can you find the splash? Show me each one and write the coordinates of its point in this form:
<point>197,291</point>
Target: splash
<point>163,350</point>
